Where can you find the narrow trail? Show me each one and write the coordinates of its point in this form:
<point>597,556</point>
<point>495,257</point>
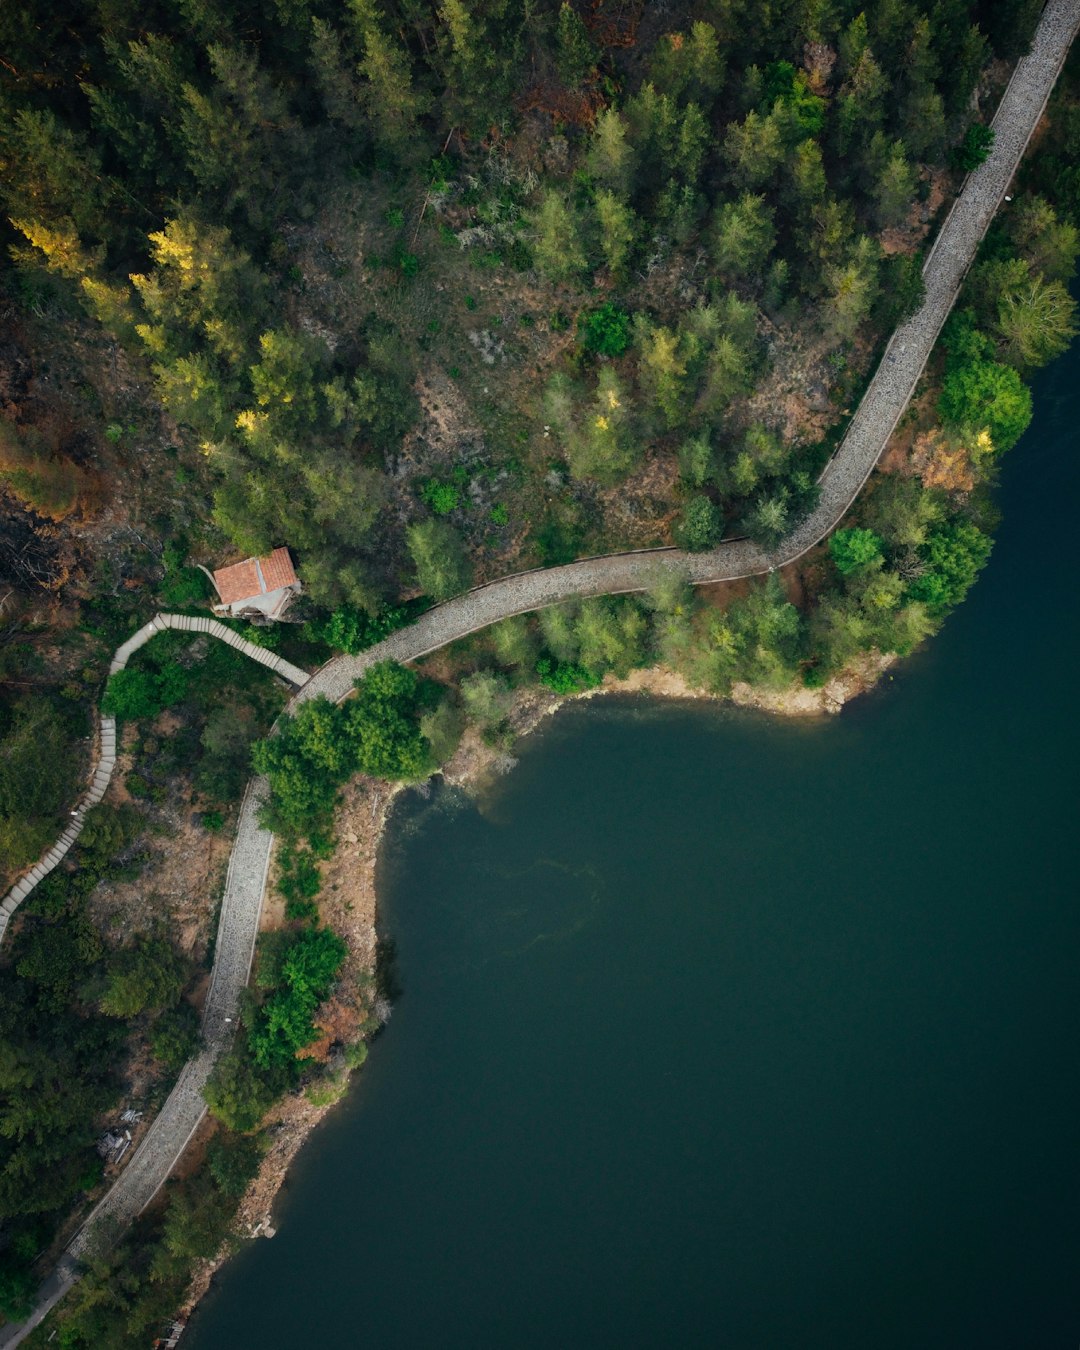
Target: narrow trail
<point>888,394</point>
<point>102,776</point>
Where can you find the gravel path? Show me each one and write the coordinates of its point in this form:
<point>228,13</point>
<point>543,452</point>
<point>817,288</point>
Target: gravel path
<point>876,417</point>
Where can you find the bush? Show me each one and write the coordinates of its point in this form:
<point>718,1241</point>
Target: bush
<point>442,566</point>
<point>181,587</point>
<point>383,721</point>
<point>233,1162</point>
<point>351,630</point>
<point>442,729</point>
<point>487,698</point>
<point>974,149</point>
<point>305,762</point>
<point>299,882</point>
<point>441,497</point>
<point>319,748</point>
<point>700,526</point>
<point>954,556</point>
<point>514,642</point>
<point>854,548</point>
<point>605,331</point>
<point>18,1287</point>
<point>37,778</point>
<point>135,694</point>
<point>236,1093</point>
<point>565,677</point>
<point>174,1037</point>
<point>284,1026</point>
<point>148,975</point>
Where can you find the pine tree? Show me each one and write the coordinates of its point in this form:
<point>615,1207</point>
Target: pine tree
<point>616,222</point>
<point>393,105</point>
<point>742,237</point>
<point>754,150</point>
<point>557,246</point>
<point>850,290</point>
<point>610,158</point>
<point>575,55</point>
<point>894,189</point>
<point>662,371</point>
<point>689,68</point>
<point>334,77</point>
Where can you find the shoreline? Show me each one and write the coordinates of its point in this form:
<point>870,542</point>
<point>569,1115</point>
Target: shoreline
<point>349,899</point>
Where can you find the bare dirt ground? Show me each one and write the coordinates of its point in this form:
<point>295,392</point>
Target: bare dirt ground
<point>182,874</point>
<point>793,397</point>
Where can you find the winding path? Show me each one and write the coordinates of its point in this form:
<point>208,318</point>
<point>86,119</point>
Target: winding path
<point>107,740</point>
<point>875,419</point>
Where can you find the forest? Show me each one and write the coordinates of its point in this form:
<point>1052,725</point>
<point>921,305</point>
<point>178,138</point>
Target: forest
<point>430,293</point>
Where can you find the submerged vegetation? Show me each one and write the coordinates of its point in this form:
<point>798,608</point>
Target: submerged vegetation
<point>431,294</point>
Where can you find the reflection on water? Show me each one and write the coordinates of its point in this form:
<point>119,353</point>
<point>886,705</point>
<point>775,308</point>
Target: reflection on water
<point>516,906</point>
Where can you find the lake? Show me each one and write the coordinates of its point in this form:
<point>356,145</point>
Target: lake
<point>721,1031</point>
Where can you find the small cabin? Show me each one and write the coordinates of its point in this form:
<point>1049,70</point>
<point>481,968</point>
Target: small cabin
<point>258,587</point>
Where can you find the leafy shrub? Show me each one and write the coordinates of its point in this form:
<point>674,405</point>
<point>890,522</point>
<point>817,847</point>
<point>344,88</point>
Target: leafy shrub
<point>284,1026</point>
<point>236,1093</point>
<point>975,148</point>
<point>382,721</point>
<point>605,331</point>
<point>299,882</point>
<point>981,393</point>
<point>441,497</point>
<point>565,677</point>
<point>316,750</point>
<point>135,694</point>
<point>234,1161</point>
<point>181,587</point>
<point>174,1037</point>
<point>700,525</point>
<point>954,556</point>
<point>351,630</point>
<point>854,548</point>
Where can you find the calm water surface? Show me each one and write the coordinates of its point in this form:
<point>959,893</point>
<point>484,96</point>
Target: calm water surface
<point>722,1032</point>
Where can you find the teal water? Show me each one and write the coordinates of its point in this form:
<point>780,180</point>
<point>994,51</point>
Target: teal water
<point>718,1031</point>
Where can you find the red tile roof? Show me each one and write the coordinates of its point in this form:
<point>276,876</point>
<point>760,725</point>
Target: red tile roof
<point>254,577</point>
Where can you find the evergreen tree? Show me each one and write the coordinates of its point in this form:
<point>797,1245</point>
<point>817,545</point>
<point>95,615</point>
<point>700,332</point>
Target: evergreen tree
<point>743,236</point>
<point>616,225</point>
<point>894,189</point>
<point>575,55</point>
<point>610,158</point>
<point>557,245</point>
<point>753,149</point>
